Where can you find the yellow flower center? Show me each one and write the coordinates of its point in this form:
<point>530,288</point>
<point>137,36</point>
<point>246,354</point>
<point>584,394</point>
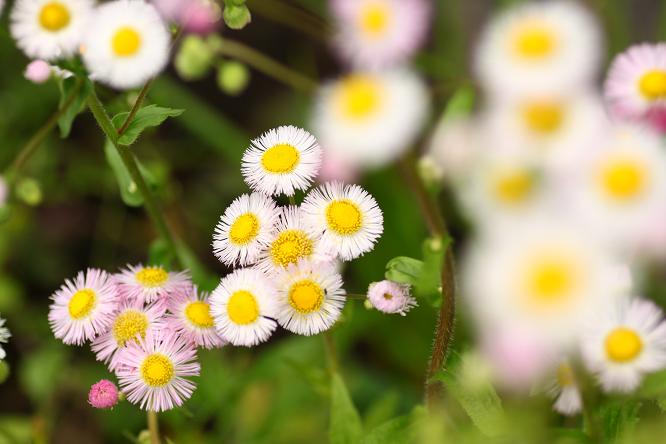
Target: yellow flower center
<point>343,217</point>
<point>128,325</point>
<point>280,159</point>
<point>551,279</point>
<point>358,97</point>
<point>152,277</point>
<point>157,370</point>
<point>565,375</point>
<point>374,20</point>
<point>126,42</point>
<point>290,246</point>
<point>82,303</point>
<point>623,345</point>
<point>543,117</point>
<point>534,41</point>
<point>242,308</point>
<point>514,187</point>
<point>653,84</point>
<point>624,179</point>
<point>54,16</point>
<point>388,296</point>
<point>306,296</point>
<point>244,229</point>
<point>198,313</point>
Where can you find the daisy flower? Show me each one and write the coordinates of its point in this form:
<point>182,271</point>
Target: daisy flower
<point>125,44</point>
<point>391,297</point>
<point>347,215</point>
<point>310,297</point>
<point>83,307</point>
<point>538,47</point>
<point>150,283</point>
<point>50,29</point>
<point>153,371</point>
<point>564,389</point>
<point>131,321</point>
<point>452,149</point>
<point>625,342</point>
<point>370,118</point>
<point>191,319</point>
<point>636,84</point>
<point>4,337</point>
<point>281,161</point>
<point>379,33</point>
<point>243,306</point>
<point>245,229</point>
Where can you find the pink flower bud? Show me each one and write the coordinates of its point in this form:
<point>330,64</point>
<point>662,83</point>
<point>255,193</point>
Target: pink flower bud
<point>200,17</point>
<point>103,395</point>
<point>38,71</point>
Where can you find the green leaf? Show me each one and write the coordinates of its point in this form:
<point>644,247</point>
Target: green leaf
<point>159,253</point>
<point>619,418</point>
<point>429,284</point>
<point>128,189</point>
<point>79,88</point>
<point>404,270</point>
<point>146,117</point>
<point>345,427</point>
<point>398,430</point>
<point>460,104</point>
<point>653,386</point>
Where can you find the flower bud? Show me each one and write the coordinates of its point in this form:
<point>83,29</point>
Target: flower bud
<point>38,71</point>
<point>103,395</point>
<point>236,17</point>
<point>194,58</point>
<point>233,77</point>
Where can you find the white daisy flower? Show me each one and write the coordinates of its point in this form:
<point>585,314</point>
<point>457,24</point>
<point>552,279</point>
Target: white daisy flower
<point>245,229</point>
<point>151,283</point>
<point>347,215</point>
<point>625,342</point>
<point>281,161</point>
<point>453,149</point>
<point>370,118</point>
<point>4,337</point>
<point>564,389</point>
<point>50,29</point>
<point>379,33</point>
<point>536,47</point>
<point>292,241</point>
<point>243,306</point>
<point>125,44</point>
<point>191,319</point>
<point>310,297</point>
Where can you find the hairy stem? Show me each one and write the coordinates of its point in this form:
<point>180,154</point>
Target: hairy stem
<point>153,427</point>
<point>136,107</point>
<point>331,352</point>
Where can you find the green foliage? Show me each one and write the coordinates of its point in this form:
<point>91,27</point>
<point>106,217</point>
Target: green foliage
<point>4,371</point>
<point>128,189</point>
<point>460,104</point>
<point>400,430</point>
<point>74,92</point>
<point>194,58</point>
<point>404,270</point>
<point>618,418</point>
<point>236,16</point>
<point>233,77</point>
<point>345,427</point>
<point>147,117</point>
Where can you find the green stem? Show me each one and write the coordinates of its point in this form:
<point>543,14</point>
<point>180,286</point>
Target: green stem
<point>38,138</point>
<point>291,16</point>
<point>129,160</point>
<point>266,65</point>
<point>136,107</point>
<point>331,352</point>
<point>153,427</point>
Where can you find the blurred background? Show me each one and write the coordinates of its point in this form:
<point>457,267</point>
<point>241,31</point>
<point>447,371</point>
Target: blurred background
<point>69,216</point>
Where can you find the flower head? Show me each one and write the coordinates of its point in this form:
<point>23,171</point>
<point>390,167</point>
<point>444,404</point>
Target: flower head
<point>103,395</point>
<point>4,337</point>
<point>151,283</point>
<point>191,318</point>
<point>391,297</point>
<point>564,388</point>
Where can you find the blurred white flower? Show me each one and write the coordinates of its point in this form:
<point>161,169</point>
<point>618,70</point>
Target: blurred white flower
<point>453,148</point>
<point>564,389</point>
<point>4,337</point>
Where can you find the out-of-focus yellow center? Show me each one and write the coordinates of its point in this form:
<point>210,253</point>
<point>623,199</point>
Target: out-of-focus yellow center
<point>624,179</point>
<point>534,41</point>
<point>388,296</point>
<point>280,159</point>
<point>343,217</point>
<point>82,303</point>
<point>543,117</point>
<point>242,308</point>
<point>152,277</point>
<point>565,375</point>
<point>54,16</point>
<point>198,313</point>
<point>623,345</point>
<point>129,325</point>
<point>513,187</point>
<point>290,246</point>
<point>358,96</point>
<point>306,296</point>
<point>126,42</point>
<point>551,279</point>
<point>375,19</point>
<point>157,370</point>
<point>244,229</point>
<point>653,84</point>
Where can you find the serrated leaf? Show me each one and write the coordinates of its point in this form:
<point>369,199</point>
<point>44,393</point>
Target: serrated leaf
<point>76,90</point>
<point>345,426</point>
<point>429,284</point>
<point>147,117</point>
<point>404,270</point>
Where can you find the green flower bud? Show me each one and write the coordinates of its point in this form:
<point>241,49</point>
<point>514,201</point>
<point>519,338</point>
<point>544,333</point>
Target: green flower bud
<point>233,77</point>
<point>29,191</point>
<point>234,2</point>
<point>194,58</point>
<point>236,17</point>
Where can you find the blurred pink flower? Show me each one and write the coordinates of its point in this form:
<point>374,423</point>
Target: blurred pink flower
<point>38,71</point>
<point>103,395</point>
<point>196,16</point>
<point>391,297</point>
<point>335,168</point>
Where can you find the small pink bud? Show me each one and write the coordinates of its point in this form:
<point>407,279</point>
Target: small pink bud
<point>103,395</point>
<point>200,17</point>
<point>336,168</point>
<point>38,71</point>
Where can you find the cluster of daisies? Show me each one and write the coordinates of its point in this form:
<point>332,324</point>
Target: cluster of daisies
<point>567,189</point>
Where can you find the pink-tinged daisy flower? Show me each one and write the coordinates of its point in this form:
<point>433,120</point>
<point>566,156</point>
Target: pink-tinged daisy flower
<point>636,83</point>
<point>150,283</point>
<point>379,33</point>
<point>191,318</point>
<point>391,297</point>
<point>131,321</point>
<point>103,395</point>
<point>83,307</point>
<point>152,371</point>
